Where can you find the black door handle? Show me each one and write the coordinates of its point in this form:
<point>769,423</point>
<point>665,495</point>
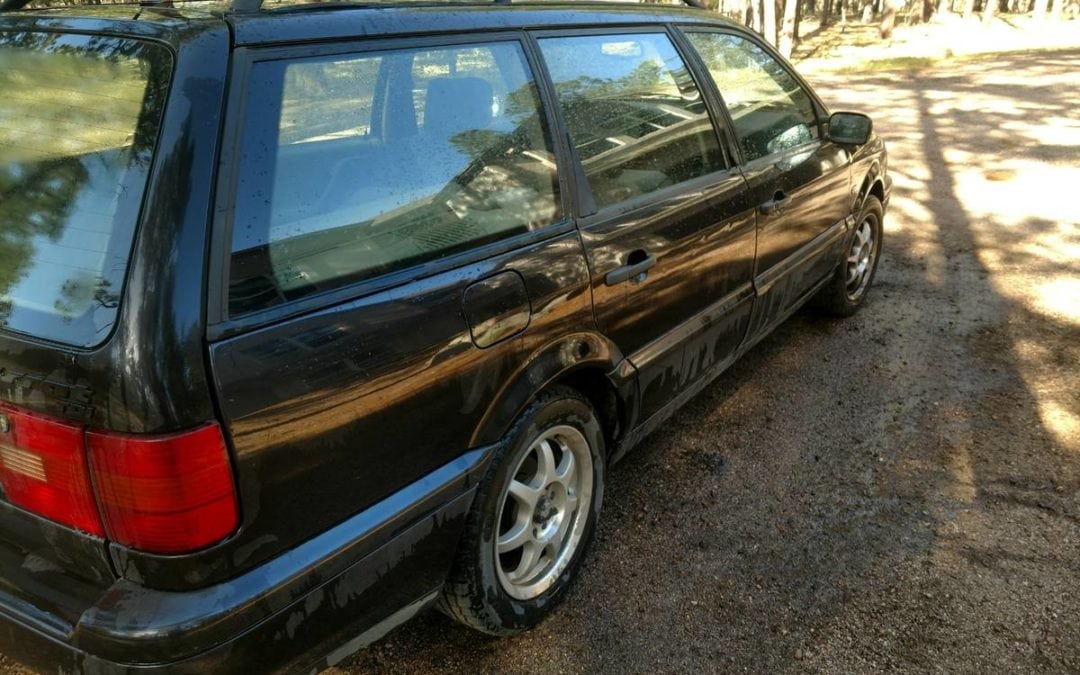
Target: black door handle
<point>780,201</point>
<point>638,264</point>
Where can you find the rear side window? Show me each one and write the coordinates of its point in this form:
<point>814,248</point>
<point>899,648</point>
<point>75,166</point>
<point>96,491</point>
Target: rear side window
<point>358,165</point>
<point>78,121</point>
<point>769,108</point>
<point>633,111</point>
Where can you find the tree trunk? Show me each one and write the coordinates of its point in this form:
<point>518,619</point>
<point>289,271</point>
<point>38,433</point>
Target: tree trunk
<point>1040,9</point>
<point>769,21</point>
<point>1056,9</point>
<point>888,19</point>
<point>787,33</point>
<point>969,8</point>
<point>798,21</point>
<point>989,10</point>
<point>826,12</point>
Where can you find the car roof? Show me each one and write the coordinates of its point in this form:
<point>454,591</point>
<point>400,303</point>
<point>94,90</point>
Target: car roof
<point>343,21</point>
<point>169,25</point>
<point>280,22</point>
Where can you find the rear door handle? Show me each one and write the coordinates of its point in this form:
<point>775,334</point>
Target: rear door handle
<point>780,201</point>
<point>639,265</point>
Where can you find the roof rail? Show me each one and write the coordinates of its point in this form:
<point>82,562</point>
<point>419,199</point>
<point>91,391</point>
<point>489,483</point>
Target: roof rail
<point>253,6</point>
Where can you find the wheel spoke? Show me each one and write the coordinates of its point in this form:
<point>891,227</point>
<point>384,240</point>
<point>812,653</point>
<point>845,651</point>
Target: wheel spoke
<point>571,501</point>
<point>526,495</point>
<point>530,555</point>
<point>517,536</point>
<point>566,472</point>
<point>554,544</point>
<point>545,464</point>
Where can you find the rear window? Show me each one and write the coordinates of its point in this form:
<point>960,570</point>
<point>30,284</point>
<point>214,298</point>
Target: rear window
<point>78,121</point>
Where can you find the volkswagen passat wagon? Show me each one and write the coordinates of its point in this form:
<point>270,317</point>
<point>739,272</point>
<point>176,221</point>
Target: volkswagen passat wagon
<point>314,316</point>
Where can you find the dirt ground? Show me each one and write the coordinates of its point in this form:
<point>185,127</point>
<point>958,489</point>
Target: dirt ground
<point>899,491</point>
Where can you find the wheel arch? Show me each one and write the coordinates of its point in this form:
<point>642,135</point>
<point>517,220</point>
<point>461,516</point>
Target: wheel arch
<point>873,183</point>
<point>587,362</point>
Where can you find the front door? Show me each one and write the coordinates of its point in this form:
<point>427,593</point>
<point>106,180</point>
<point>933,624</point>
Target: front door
<point>667,229</point>
<point>799,179</point>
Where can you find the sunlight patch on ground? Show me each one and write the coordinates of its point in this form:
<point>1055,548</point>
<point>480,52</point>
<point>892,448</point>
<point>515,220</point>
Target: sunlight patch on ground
<point>1061,422</point>
<point>1056,131</point>
<point>1054,393</point>
<point>1061,298</point>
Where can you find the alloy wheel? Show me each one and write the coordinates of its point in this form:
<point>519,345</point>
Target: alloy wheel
<point>860,259</point>
<point>543,512</point>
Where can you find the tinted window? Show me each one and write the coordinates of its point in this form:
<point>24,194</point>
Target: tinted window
<point>633,113</point>
<point>78,121</point>
<point>770,110</point>
<point>357,165</point>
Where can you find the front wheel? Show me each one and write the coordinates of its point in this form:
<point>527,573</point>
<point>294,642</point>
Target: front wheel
<point>532,520</point>
<point>847,290</point>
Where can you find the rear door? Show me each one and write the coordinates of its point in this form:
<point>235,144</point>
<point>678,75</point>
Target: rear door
<point>397,248</point>
<point>798,179</point>
<point>667,229</point>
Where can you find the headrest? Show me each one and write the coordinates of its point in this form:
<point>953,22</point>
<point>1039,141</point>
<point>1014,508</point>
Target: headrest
<point>455,104</point>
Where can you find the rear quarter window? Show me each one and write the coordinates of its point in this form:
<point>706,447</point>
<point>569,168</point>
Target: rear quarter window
<point>79,119</point>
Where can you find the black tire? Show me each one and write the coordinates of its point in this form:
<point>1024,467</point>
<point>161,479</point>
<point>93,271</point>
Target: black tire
<point>474,594</point>
<point>838,298</point>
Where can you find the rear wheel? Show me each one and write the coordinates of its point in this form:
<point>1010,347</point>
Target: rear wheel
<point>847,290</point>
<point>532,520</point>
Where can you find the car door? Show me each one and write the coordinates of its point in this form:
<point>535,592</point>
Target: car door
<point>395,247</point>
<point>664,218</point>
<point>799,179</point>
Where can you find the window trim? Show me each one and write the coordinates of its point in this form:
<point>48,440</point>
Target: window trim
<point>821,111</point>
<point>586,210</point>
<point>220,323</point>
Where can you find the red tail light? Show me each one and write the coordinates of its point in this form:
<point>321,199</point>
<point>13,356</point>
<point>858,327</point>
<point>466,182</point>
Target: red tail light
<point>160,494</point>
<point>165,494</point>
<point>43,469</point>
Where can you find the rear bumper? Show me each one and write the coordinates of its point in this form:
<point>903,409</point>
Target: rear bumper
<point>305,609</point>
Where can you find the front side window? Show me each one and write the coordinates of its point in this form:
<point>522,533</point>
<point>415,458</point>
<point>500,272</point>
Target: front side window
<point>770,110</point>
<point>353,166</point>
<point>633,112</point>
<point>79,119</point>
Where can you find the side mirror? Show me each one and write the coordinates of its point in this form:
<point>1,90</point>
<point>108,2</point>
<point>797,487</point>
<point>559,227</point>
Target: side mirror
<point>849,128</point>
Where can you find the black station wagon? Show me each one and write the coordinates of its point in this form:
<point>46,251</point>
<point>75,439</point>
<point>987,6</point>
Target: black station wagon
<point>314,316</point>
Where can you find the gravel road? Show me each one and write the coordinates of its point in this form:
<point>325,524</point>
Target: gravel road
<point>899,491</point>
